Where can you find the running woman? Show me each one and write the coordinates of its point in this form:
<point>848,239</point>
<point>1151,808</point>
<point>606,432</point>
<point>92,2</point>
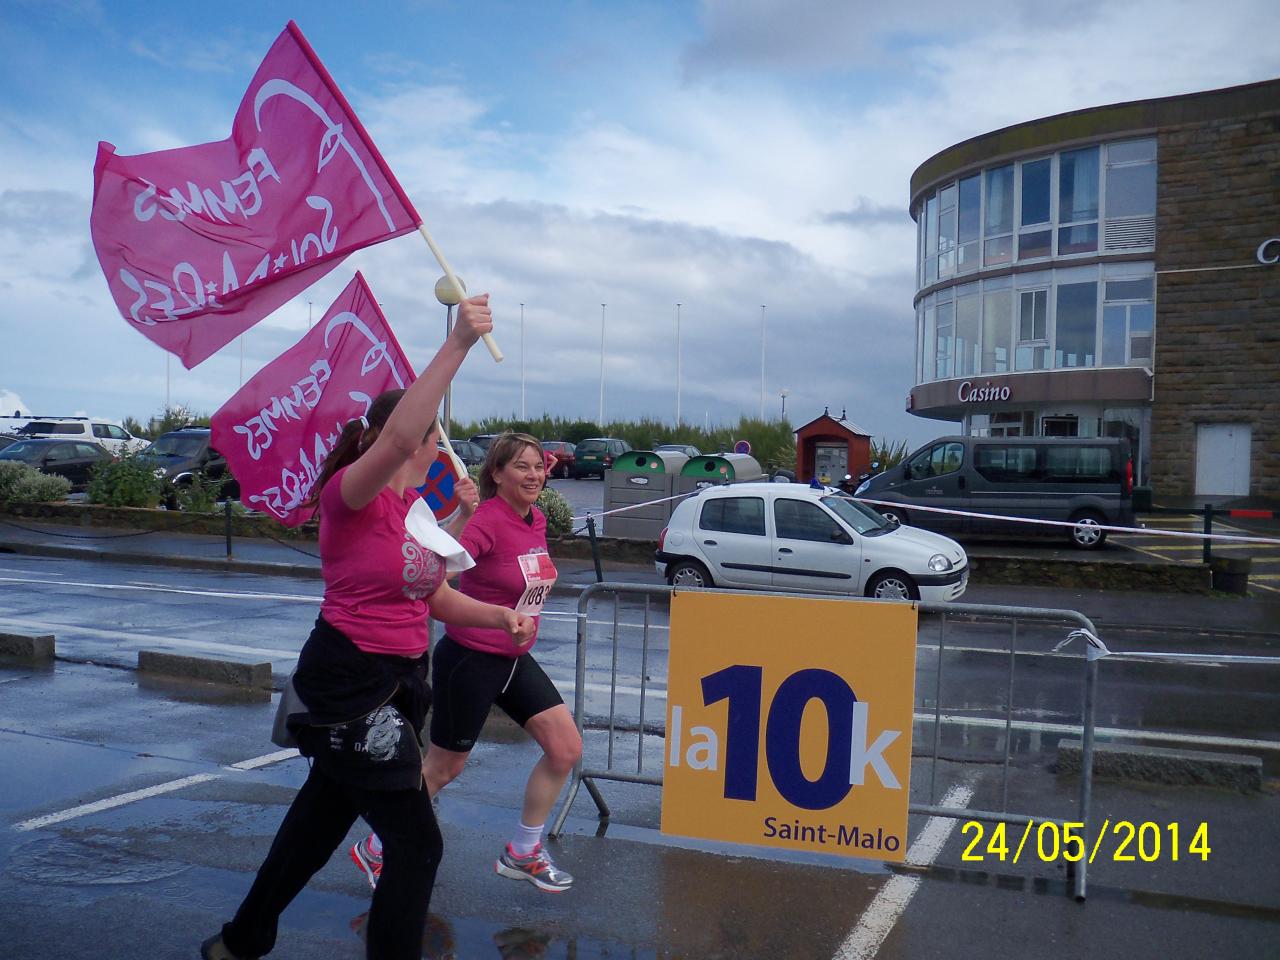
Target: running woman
<point>362,673</point>
<point>475,667</point>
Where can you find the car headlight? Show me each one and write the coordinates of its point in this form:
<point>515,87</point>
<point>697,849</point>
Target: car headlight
<point>940,564</point>
<point>862,488</point>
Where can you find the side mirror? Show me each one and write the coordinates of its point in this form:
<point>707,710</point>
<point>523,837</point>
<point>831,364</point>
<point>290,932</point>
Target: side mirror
<point>839,536</point>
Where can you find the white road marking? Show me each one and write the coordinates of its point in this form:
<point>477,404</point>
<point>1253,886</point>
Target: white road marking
<point>878,919</point>
<point>221,594</point>
<point>146,639</point>
<point>265,760</point>
<point>111,802</point>
<point>120,800</point>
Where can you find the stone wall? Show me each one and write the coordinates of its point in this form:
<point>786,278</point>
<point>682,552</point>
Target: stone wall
<point>1217,354</point>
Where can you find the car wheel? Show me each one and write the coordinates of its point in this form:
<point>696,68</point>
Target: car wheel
<point>564,471</point>
<point>1087,534</point>
<point>892,585</point>
<point>893,514</point>
<point>688,573</point>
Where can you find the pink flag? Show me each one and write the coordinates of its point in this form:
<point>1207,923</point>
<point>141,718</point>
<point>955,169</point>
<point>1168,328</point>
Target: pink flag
<point>200,243</point>
<point>278,428</point>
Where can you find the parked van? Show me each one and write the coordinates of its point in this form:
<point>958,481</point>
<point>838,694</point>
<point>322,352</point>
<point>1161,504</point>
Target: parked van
<point>1086,481</point>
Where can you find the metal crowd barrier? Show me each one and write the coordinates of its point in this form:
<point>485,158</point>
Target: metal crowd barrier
<point>587,776</point>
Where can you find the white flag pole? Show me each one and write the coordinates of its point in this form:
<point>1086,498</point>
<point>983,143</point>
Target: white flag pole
<point>461,292</point>
<point>457,462</point>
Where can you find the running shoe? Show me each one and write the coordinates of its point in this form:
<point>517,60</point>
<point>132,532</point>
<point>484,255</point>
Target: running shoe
<point>367,862</point>
<point>536,867</point>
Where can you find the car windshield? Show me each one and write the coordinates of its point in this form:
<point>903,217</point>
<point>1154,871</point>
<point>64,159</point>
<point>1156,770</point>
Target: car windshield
<point>22,450</point>
<point>862,518</point>
<point>175,446</point>
<point>591,446</point>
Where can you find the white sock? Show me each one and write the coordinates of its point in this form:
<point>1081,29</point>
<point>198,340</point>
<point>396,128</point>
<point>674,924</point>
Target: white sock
<point>526,838</point>
<point>374,843</point>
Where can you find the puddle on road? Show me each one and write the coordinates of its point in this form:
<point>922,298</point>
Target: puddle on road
<point>1043,886</point>
<point>455,939</point>
<point>69,861</point>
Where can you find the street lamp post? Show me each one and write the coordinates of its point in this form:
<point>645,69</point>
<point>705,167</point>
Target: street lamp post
<point>783,395</point>
<point>678,359</point>
<point>522,361</point>
<point>600,418</point>
<point>762,361</point>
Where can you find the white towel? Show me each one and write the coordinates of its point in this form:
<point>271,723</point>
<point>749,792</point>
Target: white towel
<point>421,524</point>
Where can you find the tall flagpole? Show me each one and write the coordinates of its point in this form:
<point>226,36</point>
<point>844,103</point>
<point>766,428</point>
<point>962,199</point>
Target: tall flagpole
<point>601,415</point>
<point>678,360</point>
<point>762,361</point>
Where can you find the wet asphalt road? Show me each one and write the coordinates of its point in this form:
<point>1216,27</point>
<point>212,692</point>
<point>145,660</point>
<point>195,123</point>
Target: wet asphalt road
<point>150,878</point>
<point>106,614</point>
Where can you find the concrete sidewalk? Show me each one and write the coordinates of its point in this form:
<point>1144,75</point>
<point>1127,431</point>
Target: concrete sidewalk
<point>1217,613</point>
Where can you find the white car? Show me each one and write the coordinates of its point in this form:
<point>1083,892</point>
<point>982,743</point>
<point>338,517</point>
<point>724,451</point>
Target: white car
<point>799,539</point>
<point>112,436</point>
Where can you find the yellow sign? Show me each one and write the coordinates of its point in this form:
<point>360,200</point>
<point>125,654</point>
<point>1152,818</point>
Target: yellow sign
<point>789,722</point>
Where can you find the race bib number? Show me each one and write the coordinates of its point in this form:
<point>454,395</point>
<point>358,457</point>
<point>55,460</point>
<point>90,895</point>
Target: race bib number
<point>539,577</point>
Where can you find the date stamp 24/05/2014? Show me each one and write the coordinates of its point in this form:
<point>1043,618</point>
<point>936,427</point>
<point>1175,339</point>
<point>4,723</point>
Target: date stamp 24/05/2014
<point>1120,841</point>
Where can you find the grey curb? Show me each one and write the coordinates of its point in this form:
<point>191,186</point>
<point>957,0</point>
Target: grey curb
<point>27,647</point>
<point>255,675</point>
<point>1163,765</point>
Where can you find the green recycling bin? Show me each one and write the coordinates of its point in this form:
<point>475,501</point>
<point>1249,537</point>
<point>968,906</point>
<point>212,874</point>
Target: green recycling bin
<point>649,461</point>
<point>723,467</point>
<point>637,493</point>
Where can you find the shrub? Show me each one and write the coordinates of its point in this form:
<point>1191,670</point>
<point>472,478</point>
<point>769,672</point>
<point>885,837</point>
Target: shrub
<point>559,516</point>
<point>201,495</point>
<point>20,483</point>
<point>127,482</point>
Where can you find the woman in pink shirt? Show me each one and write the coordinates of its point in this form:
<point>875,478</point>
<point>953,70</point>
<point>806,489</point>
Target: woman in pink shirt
<point>362,673</point>
<point>475,667</point>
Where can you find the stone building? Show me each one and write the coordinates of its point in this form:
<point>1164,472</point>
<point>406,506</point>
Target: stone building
<point>1112,272</point>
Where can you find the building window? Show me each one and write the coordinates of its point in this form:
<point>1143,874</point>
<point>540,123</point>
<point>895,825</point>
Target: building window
<point>947,231</point>
<point>1078,201</point>
<point>931,240</point>
<point>969,223</point>
<point>930,329</point>
<point>1128,327</point>
<point>1075,325</point>
<point>946,334</point>
<point>1035,237</point>
<point>968,309</point>
<point>1067,426</point>
<point>997,326</point>
<point>1033,327</point>
<point>998,223</point>
<point>1130,194</point>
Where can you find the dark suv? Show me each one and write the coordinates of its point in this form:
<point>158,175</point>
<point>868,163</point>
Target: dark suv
<point>594,456</point>
<point>182,455</point>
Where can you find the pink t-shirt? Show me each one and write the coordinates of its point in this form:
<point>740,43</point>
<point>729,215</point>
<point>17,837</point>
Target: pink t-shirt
<point>496,537</point>
<point>376,576</point>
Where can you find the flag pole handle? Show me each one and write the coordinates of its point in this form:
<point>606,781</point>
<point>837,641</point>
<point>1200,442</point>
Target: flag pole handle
<point>459,289</point>
<point>457,462</point>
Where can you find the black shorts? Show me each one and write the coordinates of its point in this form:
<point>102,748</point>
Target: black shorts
<point>465,683</point>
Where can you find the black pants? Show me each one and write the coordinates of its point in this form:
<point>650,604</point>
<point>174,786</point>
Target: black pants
<point>317,822</point>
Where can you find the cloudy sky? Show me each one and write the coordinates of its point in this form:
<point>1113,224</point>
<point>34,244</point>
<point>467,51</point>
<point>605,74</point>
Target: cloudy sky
<point>726,155</point>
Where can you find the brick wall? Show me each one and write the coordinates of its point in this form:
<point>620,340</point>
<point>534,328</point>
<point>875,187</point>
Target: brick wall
<point>1217,356</point>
